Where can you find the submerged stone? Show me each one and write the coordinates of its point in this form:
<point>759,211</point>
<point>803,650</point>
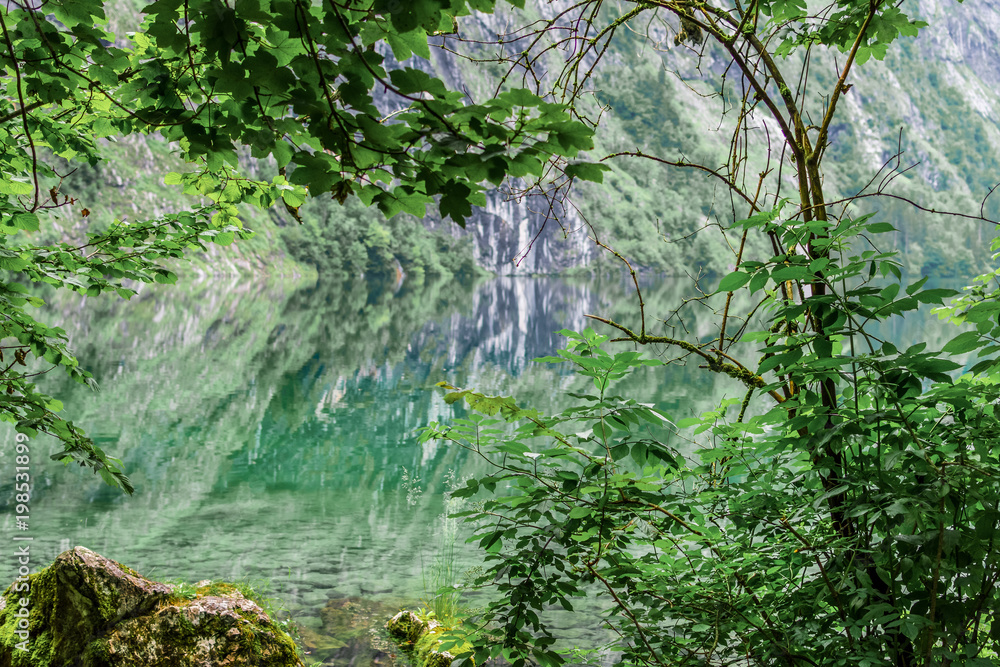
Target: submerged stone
<point>406,628</point>
<point>349,633</point>
<point>420,638</point>
<point>85,610</point>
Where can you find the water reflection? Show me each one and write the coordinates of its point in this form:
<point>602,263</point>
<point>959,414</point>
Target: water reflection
<point>269,430</point>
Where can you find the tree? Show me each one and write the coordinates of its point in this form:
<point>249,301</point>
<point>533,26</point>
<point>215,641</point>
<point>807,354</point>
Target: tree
<point>845,511</point>
<point>286,80</point>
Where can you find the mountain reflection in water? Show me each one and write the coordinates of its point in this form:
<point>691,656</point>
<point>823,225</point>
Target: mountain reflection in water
<point>269,431</point>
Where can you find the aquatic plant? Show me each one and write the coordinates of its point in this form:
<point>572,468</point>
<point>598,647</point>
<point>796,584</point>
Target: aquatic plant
<point>442,588</point>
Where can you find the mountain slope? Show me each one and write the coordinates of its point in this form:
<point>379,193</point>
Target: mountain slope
<point>932,97</point>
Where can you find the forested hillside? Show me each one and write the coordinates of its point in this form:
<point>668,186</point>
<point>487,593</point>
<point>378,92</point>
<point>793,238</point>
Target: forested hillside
<point>929,101</point>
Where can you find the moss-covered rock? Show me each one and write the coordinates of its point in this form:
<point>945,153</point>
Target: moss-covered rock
<point>85,610</point>
<point>420,638</point>
<point>406,628</point>
<point>428,652</point>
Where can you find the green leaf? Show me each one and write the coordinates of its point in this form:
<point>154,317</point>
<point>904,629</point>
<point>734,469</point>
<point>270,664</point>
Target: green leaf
<point>294,197</point>
<point>165,277</point>
<point>880,227</point>
<point>797,272</point>
<point>10,261</point>
<point>640,453</point>
<point>26,221</point>
<point>10,186</point>
<point>224,238</point>
<point>587,171</point>
<point>910,289</point>
<point>964,342</point>
<point>405,44</point>
<point>758,281</point>
<point>572,136</point>
<point>935,295</point>
<point>455,202</point>
<point>733,281</point>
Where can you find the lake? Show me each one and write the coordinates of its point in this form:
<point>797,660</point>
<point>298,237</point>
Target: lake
<point>269,429</point>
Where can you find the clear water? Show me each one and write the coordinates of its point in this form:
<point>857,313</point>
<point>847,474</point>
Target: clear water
<point>269,430</point>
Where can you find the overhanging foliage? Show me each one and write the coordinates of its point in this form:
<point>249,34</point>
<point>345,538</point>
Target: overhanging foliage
<point>288,80</point>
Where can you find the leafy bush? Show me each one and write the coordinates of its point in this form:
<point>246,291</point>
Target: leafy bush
<point>790,527</point>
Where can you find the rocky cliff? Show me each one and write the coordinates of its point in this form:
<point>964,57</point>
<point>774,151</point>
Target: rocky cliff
<point>931,98</point>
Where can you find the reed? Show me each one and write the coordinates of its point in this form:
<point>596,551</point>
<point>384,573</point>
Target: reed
<point>442,588</point>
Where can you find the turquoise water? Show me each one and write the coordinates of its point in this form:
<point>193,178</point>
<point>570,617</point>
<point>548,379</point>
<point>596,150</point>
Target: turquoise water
<point>270,430</point>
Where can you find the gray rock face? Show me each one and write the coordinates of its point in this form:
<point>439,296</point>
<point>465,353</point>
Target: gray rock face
<point>938,88</point>
<point>511,235</point>
<point>85,610</point>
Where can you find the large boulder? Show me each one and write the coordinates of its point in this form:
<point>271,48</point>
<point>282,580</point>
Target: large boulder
<point>85,610</point>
